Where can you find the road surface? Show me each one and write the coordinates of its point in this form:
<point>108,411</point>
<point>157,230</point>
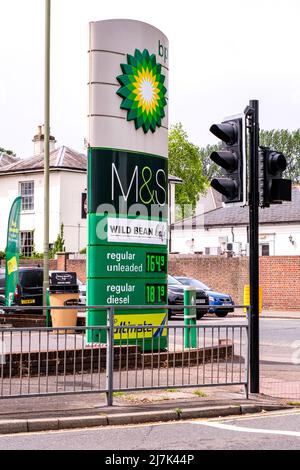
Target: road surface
<point>277,430</point>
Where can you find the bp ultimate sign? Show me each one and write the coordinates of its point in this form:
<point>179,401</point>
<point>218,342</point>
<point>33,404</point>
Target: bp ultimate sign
<point>128,180</point>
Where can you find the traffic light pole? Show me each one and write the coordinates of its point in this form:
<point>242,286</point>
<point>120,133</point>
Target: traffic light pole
<point>253,119</point>
<point>232,159</point>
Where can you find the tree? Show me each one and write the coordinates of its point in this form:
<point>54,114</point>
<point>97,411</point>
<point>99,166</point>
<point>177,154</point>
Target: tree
<point>59,244</point>
<point>209,168</point>
<point>8,152</point>
<point>287,142</point>
<point>185,162</point>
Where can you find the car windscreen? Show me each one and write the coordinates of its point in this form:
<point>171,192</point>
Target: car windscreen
<point>198,284</point>
<point>173,282</point>
<point>31,278</point>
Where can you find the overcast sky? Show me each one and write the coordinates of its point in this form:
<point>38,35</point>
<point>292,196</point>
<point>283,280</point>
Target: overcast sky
<point>222,53</point>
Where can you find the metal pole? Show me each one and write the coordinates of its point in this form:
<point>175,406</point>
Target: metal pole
<point>170,217</point>
<point>79,226</point>
<point>254,247</point>
<point>110,356</point>
<point>46,149</point>
<point>190,318</point>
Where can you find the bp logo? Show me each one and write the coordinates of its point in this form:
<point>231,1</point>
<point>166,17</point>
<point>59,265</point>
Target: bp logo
<point>143,90</point>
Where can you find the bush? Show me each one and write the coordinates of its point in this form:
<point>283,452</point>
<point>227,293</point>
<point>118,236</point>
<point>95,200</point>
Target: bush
<point>59,244</point>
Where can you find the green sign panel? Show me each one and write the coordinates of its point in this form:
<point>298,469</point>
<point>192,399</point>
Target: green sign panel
<point>127,250</point>
<point>127,260</point>
<point>121,261</point>
<point>12,251</point>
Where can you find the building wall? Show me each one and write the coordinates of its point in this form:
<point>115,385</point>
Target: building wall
<point>279,275</point>
<point>31,220</point>
<point>72,185</point>
<point>223,274</point>
<point>65,207</point>
<point>277,236</point>
<point>205,202</point>
<point>280,280</point>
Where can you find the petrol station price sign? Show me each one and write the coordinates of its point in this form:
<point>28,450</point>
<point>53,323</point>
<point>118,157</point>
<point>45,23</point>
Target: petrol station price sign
<point>137,262</point>
<point>127,257</point>
<point>156,263</point>
<point>156,294</point>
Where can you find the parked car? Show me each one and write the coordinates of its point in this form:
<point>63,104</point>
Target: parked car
<point>215,298</point>
<point>176,297</point>
<point>82,291</point>
<point>29,290</point>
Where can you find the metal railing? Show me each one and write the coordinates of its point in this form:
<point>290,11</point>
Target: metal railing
<point>56,361</point>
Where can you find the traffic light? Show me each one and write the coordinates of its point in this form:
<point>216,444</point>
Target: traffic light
<point>231,159</point>
<point>273,189</point>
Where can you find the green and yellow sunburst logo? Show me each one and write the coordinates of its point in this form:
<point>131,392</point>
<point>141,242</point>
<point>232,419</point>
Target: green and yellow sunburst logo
<point>143,90</point>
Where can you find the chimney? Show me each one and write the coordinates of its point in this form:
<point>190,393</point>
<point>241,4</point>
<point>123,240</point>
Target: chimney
<point>38,141</point>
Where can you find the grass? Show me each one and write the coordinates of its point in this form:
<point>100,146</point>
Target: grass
<point>172,390</point>
<point>118,394</point>
<point>294,403</point>
<point>200,394</point>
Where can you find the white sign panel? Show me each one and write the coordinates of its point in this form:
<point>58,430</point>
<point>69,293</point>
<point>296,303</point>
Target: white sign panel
<point>123,230</point>
<point>112,44</point>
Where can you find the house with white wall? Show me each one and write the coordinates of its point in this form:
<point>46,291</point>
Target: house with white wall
<point>68,182</point>
<point>224,230</point>
<point>68,189</point>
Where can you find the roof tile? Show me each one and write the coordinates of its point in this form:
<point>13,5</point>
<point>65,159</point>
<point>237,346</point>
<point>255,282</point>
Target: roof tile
<point>62,157</point>
<point>236,215</point>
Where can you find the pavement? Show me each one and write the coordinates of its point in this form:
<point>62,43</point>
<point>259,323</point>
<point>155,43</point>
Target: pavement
<point>50,413</point>
<point>173,442</point>
<point>280,314</point>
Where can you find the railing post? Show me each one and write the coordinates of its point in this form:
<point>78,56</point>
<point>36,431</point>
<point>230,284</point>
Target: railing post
<point>110,356</point>
<point>190,316</point>
<point>247,354</point>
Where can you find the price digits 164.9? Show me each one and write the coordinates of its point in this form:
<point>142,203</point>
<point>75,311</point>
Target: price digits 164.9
<point>156,263</point>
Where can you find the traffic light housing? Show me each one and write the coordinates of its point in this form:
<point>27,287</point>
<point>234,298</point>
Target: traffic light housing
<point>273,188</point>
<point>231,158</point>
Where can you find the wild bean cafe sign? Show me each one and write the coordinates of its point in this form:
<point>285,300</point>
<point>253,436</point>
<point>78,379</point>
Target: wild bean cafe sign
<point>128,181</point>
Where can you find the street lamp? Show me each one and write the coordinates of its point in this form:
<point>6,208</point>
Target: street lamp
<point>46,149</point>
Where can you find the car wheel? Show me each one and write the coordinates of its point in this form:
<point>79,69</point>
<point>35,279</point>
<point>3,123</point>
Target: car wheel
<point>200,314</point>
<point>222,314</point>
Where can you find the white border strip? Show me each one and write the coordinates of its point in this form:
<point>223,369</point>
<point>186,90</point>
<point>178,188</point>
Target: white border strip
<point>230,427</point>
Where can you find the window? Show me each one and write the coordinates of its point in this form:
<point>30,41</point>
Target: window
<point>27,243</point>
<point>265,249</point>
<point>27,194</point>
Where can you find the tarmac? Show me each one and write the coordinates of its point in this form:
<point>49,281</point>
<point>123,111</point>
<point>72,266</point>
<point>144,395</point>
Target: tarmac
<point>52,413</point>
<point>47,413</point>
